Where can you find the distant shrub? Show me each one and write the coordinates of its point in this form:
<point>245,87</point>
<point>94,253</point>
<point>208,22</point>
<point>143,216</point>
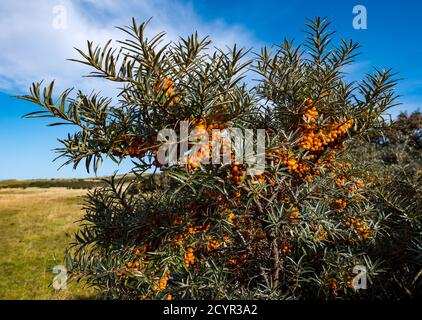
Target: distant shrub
<point>56,183</point>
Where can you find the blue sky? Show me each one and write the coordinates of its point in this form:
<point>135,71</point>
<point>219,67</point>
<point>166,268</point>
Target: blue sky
<point>32,50</point>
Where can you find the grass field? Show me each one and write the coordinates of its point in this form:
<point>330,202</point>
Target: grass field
<point>36,224</point>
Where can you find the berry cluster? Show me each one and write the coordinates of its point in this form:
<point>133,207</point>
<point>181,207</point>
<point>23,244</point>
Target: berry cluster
<point>201,150</point>
<point>134,146</point>
<point>189,258</point>
<point>320,232</point>
<point>359,226</point>
<point>294,213</point>
<point>166,87</point>
<point>212,244</point>
<point>237,173</point>
<point>161,284</point>
<point>285,248</point>
<point>340,205</point>
<point>298,167</point>
<point>314,138</point>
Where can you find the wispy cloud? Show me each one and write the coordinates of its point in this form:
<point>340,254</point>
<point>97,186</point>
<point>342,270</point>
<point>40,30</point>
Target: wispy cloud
<point>32,49</point>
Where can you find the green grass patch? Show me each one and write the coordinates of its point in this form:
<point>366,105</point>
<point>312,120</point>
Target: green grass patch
<point>35,227</point>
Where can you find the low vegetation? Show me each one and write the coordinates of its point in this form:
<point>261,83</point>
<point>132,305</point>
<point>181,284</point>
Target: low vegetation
<point>52,183</point>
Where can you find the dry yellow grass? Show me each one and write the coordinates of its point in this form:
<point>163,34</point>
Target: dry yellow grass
<point>35,227</point>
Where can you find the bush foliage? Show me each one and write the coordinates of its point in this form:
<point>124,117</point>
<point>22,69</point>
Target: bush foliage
<point>338,191</point>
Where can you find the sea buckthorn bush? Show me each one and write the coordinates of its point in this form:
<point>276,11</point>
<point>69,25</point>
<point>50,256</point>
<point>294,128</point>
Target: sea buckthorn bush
<point>323,205</point>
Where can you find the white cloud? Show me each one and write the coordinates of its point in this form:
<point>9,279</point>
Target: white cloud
<point>32,49</point>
